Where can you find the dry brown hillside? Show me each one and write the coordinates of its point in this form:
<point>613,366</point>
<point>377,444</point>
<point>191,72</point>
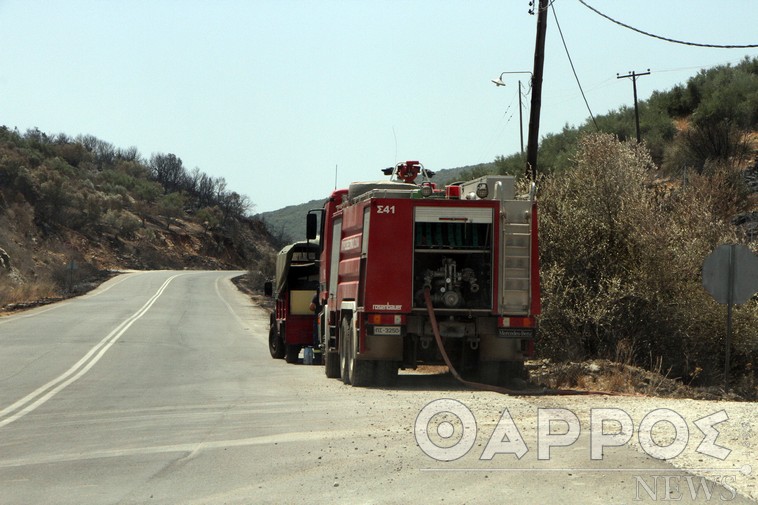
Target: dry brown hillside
<point>72,211</point>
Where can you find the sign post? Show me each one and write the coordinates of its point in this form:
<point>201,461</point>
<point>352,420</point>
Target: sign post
<point>70,275</point>
<point>730,275</point>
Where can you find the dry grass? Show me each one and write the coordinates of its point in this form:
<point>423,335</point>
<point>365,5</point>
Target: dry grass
<point>612,377</point>
<point>11,293</point>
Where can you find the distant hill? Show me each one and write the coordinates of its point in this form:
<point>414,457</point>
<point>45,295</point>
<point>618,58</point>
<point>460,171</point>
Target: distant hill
<point>448,175</point>
<point>288,224</point>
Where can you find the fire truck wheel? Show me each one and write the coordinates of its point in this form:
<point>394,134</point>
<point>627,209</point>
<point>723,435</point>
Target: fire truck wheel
<point>332,364</point>
<point>275,343</point>
<point>359,373</point>
<point>292,353</point>
<point>362,373</point>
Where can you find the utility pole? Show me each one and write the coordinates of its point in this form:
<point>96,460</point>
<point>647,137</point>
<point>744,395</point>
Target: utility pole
<point>634,77</point>
<point>520,118</point>
<point>534,112</point>
<point>499,82</point>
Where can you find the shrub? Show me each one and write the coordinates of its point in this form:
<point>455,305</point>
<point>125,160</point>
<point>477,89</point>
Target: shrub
<point>621,264</point>
<point>121,222</point>
<point>209,217</point>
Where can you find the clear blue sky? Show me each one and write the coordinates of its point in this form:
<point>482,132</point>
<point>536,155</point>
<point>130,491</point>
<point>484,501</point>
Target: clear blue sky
<point>274,94</point>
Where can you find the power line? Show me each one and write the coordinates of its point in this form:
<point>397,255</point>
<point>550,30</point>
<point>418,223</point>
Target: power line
<point>699,67</point>
<point>503,122</point>
<point>572,67</point>
<point>675,41</point>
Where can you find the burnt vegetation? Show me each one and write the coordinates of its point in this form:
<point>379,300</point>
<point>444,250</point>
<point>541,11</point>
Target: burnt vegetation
<point>72,209</point>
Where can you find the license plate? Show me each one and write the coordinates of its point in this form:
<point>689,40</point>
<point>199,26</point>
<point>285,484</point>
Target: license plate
<point>387,330</point>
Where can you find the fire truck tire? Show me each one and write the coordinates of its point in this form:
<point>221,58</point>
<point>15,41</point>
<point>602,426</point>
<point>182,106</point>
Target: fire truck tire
<point>275,343</point>
<point>292,353</point>
<point>332,364</point>
<point>362,373</point>
<point>359,373</point>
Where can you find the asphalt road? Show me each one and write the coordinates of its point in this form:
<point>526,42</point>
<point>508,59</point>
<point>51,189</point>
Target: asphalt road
<point>158,388</point>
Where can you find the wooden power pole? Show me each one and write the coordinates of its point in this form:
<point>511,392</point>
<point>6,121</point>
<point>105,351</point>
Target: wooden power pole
<point>634,77</point>
<point>534,112</point>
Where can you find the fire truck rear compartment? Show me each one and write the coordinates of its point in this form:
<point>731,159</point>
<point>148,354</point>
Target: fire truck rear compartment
<point>454,260</point>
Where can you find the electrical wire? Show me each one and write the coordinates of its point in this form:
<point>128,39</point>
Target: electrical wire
<point>675,41</point>
<point>497,135</point>
<point>573,69</point>
<point>699,67</point>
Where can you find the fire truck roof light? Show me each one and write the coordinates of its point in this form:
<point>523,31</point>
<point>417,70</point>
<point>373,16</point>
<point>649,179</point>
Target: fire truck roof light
<point>453,192</point>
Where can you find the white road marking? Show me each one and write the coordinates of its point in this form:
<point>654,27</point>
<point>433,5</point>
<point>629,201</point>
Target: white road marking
<point>33,400</point>
<point>231,310</point>
<point>191,448</point>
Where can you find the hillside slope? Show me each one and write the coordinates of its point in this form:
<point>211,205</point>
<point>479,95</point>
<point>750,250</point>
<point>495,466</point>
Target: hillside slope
<point>71,210</point>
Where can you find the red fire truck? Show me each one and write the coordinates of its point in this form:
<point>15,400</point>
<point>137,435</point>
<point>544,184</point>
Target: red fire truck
<point>292,321</point>
<point>387,247</point>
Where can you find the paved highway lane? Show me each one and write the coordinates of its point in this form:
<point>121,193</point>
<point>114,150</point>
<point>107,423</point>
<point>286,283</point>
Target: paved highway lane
<point>158,388</point>
<point>101,392</point>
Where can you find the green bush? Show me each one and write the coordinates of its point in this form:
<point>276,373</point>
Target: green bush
<point>121,222</point>
<point>209,217</point>
<point>729,94</point>
<point>621,261</point>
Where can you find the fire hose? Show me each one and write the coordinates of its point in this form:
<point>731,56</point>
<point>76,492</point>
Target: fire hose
<point>490,387</point>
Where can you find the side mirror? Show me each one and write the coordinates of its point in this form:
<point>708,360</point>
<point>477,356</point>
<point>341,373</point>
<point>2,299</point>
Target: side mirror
<point>311,226</point>
<point>268,288</point>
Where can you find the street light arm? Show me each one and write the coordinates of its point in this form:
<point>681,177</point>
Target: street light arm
<point>499,80</point>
